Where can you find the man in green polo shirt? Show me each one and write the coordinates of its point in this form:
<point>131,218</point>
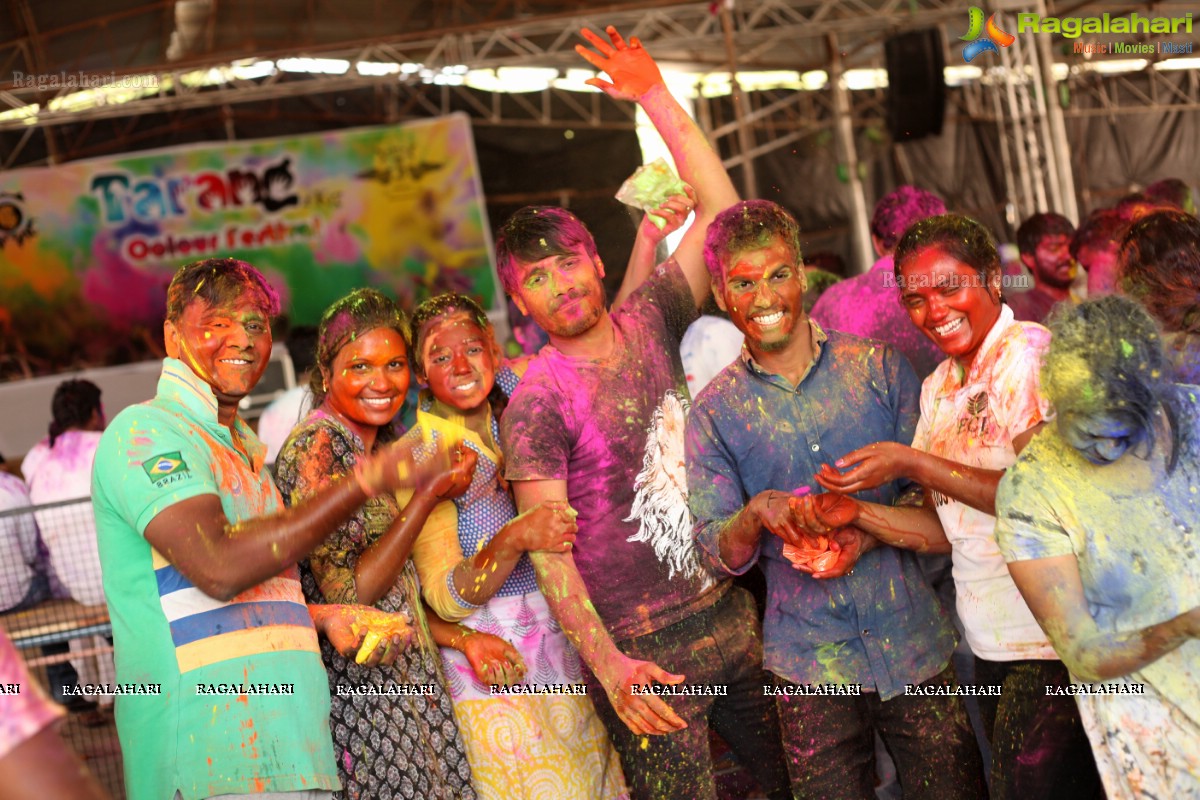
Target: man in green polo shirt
<point>198,554</point>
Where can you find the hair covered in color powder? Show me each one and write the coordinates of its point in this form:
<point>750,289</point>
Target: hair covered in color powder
<point>440,307</point>
<point>748,225</point>
<point>219,282</point>
<point>356,314</point>
<point>536,232</point>
<point>1106,357</point>
<point>1171,192</point>
<point>962,238</point>
<point>1102,229</point>
<point>1159,266</point>
<point>72,407</point>
<point>899,209</point>
<point>446,305</point>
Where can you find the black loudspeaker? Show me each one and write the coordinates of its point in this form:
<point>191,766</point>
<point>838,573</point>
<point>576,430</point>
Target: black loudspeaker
<point>916,86</point>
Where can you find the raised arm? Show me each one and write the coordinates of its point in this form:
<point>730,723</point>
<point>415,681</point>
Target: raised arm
<point>634,76</point>
<point>644,257</point>
<point>222,559</point>
<point>1053,590</point>
<point>571,605</point>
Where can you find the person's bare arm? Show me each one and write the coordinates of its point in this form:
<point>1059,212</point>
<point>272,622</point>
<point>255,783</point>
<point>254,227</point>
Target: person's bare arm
<point>222,559</point>
<point>571,605</point>
<point>547,527</point>
<point>381,564</point>
<point>883,462</point>
<point>43,768</point>
<point>644,256</point>
<point>1053,589</point>
<point>910,528</point>
<point>635,76</point>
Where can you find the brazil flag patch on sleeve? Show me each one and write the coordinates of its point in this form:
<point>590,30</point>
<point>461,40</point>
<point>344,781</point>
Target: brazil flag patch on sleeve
<point>165,465</point>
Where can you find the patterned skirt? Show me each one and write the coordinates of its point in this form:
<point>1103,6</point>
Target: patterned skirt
<point>532,746</point>
<point>394,731</point>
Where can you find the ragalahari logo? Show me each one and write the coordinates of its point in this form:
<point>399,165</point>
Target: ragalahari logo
<point>992,35</point>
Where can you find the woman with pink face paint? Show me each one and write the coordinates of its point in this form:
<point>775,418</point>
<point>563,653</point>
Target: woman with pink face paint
<point>474,567</point>
<point>387,745</point>
<point>979,408</point>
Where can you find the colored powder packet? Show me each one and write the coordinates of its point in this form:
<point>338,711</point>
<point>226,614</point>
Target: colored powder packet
<point>819,558</point>
<point>650,186</point>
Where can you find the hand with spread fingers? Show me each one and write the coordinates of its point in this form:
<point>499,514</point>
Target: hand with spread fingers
<point>644,714</point>
<point>631,69</point>
<point>494,660</point>
<point>368,635</point>
<point>872,466</point>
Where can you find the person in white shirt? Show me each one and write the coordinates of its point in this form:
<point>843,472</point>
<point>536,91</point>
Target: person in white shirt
<point>59,468</point>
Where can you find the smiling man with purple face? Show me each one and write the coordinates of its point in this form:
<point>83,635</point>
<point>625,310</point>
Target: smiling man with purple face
<point>867,624</point>
<point>598,420</point>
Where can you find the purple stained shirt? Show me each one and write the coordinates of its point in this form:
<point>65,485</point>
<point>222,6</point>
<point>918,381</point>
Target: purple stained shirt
<point>868,305</point>
<point>613,429</point>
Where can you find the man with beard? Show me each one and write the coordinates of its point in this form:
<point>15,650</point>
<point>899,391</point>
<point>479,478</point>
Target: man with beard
<point>1045,244</point>
<point>860,645</point>
<point>596,420</point>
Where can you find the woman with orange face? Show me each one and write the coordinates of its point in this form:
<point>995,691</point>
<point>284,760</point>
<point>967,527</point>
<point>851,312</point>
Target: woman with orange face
<point>393,727</point>
<point>979,408</point>
<point>472,557</point>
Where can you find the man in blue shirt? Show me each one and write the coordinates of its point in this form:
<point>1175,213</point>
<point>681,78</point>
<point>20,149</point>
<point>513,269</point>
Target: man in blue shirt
<point>866,631</point>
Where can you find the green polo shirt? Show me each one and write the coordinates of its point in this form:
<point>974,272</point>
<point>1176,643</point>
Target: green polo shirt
<point>244,698</point>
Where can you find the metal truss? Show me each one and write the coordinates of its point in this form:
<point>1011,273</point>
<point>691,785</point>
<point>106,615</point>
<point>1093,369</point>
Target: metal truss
<point>1133,93</point>
<point>1033,142</point>
<point>773,34</point>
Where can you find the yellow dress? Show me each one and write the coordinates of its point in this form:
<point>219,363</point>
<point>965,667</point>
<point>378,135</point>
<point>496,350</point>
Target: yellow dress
<point>544,746</point>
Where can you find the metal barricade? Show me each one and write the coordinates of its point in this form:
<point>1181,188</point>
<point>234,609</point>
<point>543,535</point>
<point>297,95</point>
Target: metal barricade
<point>48,565</point>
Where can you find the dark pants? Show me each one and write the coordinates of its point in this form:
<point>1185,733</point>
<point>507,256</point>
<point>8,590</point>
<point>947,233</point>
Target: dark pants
<point>1039,748</point>
<point>830,744</point>
<point>720,646</point>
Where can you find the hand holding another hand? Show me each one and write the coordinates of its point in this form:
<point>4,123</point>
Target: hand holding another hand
<point>548,526</point>
<point>494,660</point>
